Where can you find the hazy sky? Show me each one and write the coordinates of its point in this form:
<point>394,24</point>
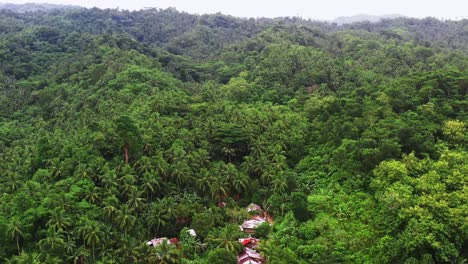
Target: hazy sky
<point>318,9</point>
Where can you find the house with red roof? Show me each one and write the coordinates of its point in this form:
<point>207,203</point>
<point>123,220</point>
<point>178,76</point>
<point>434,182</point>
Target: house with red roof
<point>249,242</point>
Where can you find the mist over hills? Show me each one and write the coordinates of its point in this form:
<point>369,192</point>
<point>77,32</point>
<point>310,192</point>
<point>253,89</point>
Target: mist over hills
<point>31,7</point>
<point>363,17</point>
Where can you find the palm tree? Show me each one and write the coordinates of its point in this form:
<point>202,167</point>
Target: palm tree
<point>82,172</point>
<point>33,188</point>
<point>94,195</point>
<point>110,207</point>
<point>237,181</point>
<point>58,220</point>
<point>258,149</point>
<point>126,249</point>
<point>229,151</point>
<point>204,180</point>
<point>13,182</point>
<point>156,217</point>
<point>92,234</point>
<point>55,167</point>
<point>69,245</point>
<point>60,201</point>
<point>24,257</point>
<point>277,157</point>
<point>255,166</point>
<point>79,256</point>
<point>150,184</point>
<point>180,171</point>
<point>15,230</point>
<point>269,249</point>
<point>162,165</point>
<point>239,184</point>
<point>267,176</point>
<point>98,165</point>
<point>126,171</point>
<point>226,237</point>
<point>109,179</point>
<point>128,180</point>
<point>143,165</point>
<point>176,152</point>
<point>126,219</point>
<point>169,205</point>
<point>249,165</point>
<point>53,240</point>
<point>135,202</point>
<point>279,184</point>
<point>218,188</point>
<point>110,192</point>
<point>199,158</point>
<point>110,258</point>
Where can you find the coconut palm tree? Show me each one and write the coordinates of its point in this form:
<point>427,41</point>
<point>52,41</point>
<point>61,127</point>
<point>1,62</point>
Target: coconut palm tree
<point>94,196</point>
<point>79,256</point>
<point>279,184</point>
<point>13,182</point>
<point>69,245</point>
<point>54,240</point>
<point>91,232</point>
<point>161,164</point>
<point>203,181</point>
<point>135,201</point>
<point>110,179</point>
<point>181,173</point>
<point>110,207</point>
<point>126,249</point>
<point>218,188</point>
<point>15,230</point>
<point>150,183</point>
<point>226,237</point>
<point>24,257</point>
<point>58,220</point>
<point>126,218</point>
<point>143,165</point>
<point>156,217</point>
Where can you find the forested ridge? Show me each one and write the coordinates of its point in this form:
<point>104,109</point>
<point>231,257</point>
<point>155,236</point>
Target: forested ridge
<point>118,127</point>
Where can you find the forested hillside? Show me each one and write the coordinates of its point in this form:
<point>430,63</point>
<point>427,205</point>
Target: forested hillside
<point>118,127</point>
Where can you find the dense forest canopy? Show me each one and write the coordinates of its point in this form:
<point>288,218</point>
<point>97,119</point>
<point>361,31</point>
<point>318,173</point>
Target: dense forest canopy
<point>117,127</point>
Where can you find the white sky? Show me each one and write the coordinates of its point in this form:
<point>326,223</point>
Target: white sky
<point>316,9</point>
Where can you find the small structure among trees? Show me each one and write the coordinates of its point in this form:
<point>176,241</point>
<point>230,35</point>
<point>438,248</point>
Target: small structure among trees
<point>249,256</point>
<point>155,242</point>
<point>249,226</point>
<point>257,219</point>
<point>249,242</point>
<point>255,208</point>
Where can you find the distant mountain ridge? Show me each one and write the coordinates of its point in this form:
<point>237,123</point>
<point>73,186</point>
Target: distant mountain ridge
<point>31,7</point>
<point>363,17</point>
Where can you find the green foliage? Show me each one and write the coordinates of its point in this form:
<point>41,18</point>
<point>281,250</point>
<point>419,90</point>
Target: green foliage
<point>117,127</point>
<point>221,256</point>
<point>226,238</point>
<point>421,209</point>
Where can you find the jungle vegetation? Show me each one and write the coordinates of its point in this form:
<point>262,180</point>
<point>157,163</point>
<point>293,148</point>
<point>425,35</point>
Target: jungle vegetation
<point>118,126</point>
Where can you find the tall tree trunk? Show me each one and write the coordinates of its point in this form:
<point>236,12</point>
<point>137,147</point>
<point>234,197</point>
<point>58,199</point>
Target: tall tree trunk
<point>126,155</point>
<point>17,245</point>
